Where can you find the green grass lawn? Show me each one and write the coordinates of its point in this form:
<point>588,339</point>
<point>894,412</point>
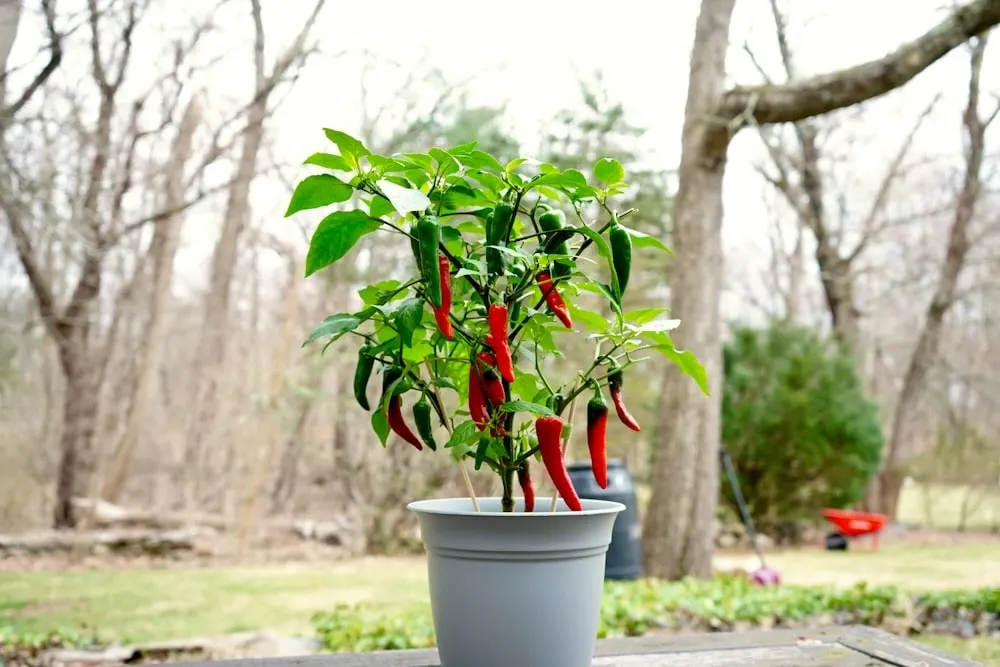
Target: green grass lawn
<point>152,604</point>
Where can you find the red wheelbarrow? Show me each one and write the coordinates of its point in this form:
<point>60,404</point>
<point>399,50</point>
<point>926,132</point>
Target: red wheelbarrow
<point>855,524</point>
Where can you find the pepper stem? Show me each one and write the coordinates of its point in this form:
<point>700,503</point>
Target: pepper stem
<point>507,501</point>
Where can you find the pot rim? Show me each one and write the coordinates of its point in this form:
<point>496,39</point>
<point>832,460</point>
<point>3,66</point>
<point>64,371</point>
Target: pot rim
<point>591,507</point>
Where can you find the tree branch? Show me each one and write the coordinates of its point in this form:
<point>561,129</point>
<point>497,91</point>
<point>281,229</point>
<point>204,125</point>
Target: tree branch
<point>55,57</point>
<point>828,92</point>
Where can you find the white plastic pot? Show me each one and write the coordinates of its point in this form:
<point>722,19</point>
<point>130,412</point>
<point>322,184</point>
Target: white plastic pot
<point>515,589</point>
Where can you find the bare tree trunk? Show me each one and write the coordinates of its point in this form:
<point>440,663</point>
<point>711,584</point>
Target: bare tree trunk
<point>903,441</point>
<point>685,469</point>
<point>677,533</point>
<point>76,443</point>
<point>163,249</point>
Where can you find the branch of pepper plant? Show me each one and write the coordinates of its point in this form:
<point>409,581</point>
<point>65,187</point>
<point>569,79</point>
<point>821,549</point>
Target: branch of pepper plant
<point>565,446</point>
<point>554,283</point>
<point>371,189</point>
<point>513,219</point>
<point>447,425</point>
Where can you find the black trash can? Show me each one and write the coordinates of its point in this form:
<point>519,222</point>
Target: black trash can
<point>624,558</point>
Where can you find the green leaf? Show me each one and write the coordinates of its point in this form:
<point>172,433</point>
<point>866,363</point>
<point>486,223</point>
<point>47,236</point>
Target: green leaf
<point>418,352</point>
<point>514,164</point>
<point>605,251</point>
<point>381,426</point>
<point>447,163</point>
<point>328,161</point>
<point>463,434</point>
<point>609,171</point>
<point>386,165</point>
<point>421,161</point>
<point>335,236</point>
<point>316,191</point>
<point>404,200</point>
<point>590,319</point>
<point>524,406</point>
<point>597,287</point>
<point>686,361</point>
<point>571,178</point>
<point>484,445</point>
<point>380,206</point>
<point>644,315</point>
<point>643,240</point>
<point>450,235</point>
<point>380,292</point>
<point>350,148</point>
<point>333,325</point>
<point>409,315</point>
<point>481,160</point>
<point>463,149</point>
<point>525,384</point>
<point>487,180</point>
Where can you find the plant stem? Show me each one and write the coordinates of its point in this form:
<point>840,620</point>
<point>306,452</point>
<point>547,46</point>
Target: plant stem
<point>447,425</point>
<point>507,478</point>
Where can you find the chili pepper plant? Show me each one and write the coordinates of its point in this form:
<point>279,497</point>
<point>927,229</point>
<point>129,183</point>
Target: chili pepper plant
<point>499,259</point>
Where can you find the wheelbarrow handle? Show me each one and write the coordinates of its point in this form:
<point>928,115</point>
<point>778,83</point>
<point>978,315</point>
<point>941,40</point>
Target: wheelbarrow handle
<point>727,465</point>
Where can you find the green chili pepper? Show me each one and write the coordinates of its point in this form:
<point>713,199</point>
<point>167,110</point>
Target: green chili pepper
<point>429,240</point>
<point>555,244</point>
<point>496,235</point>
<point>362,372</point>
<point>422,418</point>
<point>415,244</point>
<point>621,254</point>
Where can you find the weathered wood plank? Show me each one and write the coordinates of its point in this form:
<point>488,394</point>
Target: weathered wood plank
<point>896,651</point>
<point>828,647</point>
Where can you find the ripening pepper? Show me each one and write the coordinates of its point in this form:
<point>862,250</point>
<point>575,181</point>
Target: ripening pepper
<point>442,315</point>
<point>394,412</point>
<point>553,298</point>
<point>597,436</point>
<point>549,433</point>
<point>362,373</point>
<point>615,385</point>
<point>527,488</point>
<point>497,317</point>
<point>429,242</point>
<point>621,254</point>
<point>422,418</point>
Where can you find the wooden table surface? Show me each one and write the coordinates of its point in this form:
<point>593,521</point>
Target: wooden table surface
<point>852,646</point>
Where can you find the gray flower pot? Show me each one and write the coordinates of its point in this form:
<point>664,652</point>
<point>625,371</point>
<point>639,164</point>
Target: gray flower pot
<point>517,589</point>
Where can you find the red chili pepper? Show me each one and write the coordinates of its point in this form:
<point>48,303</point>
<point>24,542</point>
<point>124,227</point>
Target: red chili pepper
<point>549,432</point>
<point>442,314</point>
<point>524,479</point>
<point>497,339</point>
<point>597,437</point>
<point>398,424</point>
<point>615,385</point>
<point>487,359</point>
<point>477,400</point>
<point>553,298</point>
<point>496,396</point>
<point>494,389</point>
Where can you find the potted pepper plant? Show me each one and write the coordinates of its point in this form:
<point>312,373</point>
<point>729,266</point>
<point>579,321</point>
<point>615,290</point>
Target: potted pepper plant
<point>462,339</point>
